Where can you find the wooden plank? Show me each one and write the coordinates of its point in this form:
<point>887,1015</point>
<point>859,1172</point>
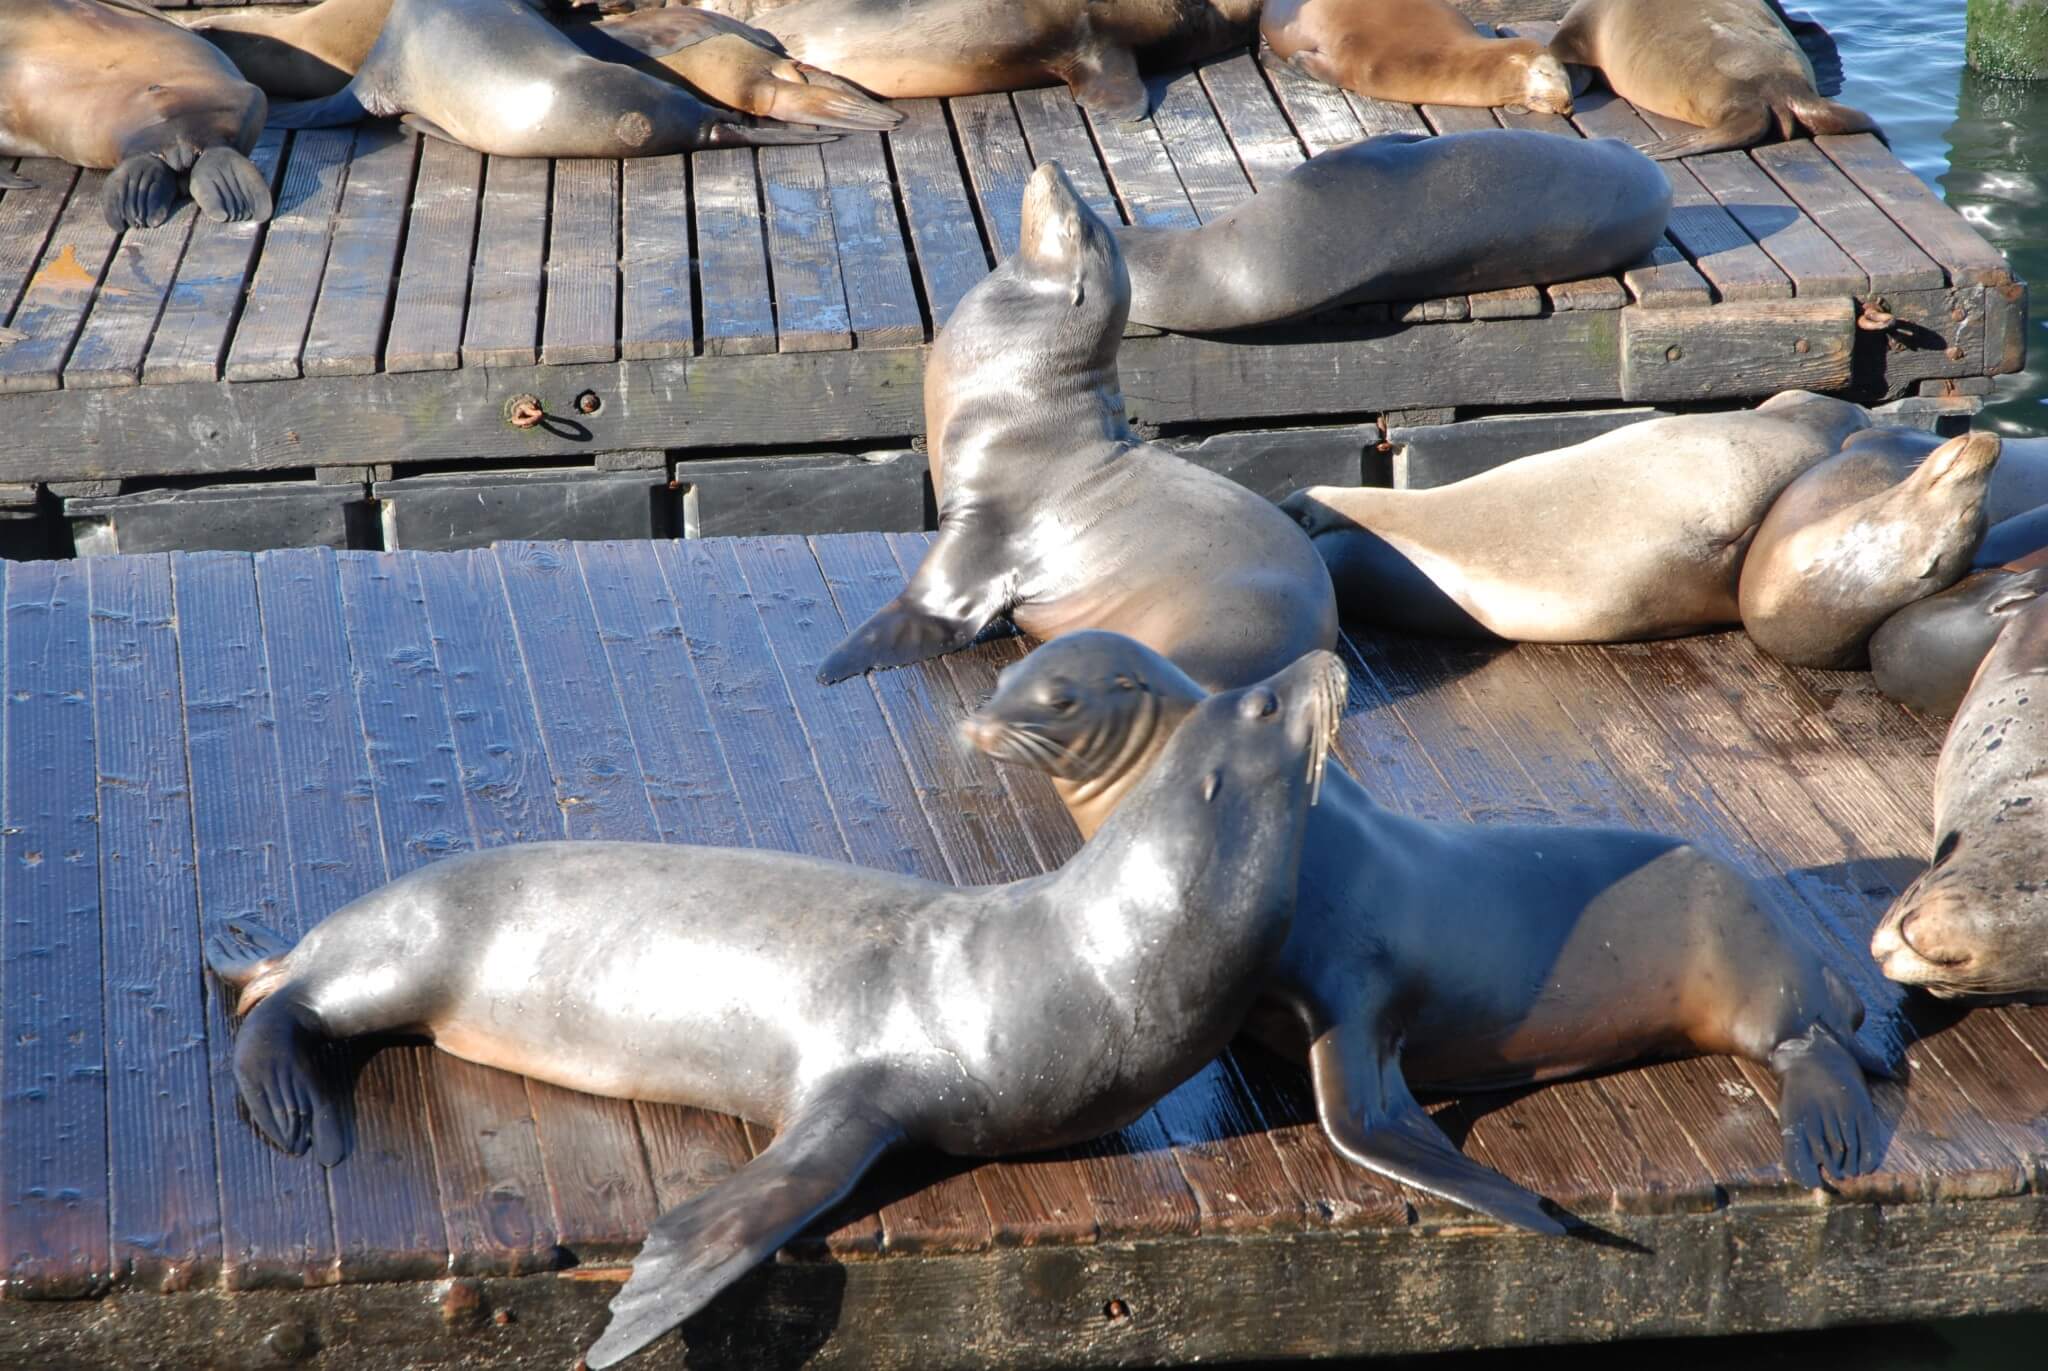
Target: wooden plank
<point>1455,118</point>
<point>881,299</point>
<point>355,293</point>
<point>1265,142</point>
<point>387,1211</point>
<point>658,311</point>
<point>433,278</point>
<point>206,299</point>
<point>580,322</point>
<point>1941,233</point>
<point>26,218</point>
<point>732,259</point>
<point>277,1224</point>
<point>998,164</point>
<point>1674,355</point>
<point>53,307</point>
<point>950,255</point>
<point>53,1166</point>
<point>1141,172</point>
<point>164,1204</point>
<point>1808,256</point>
<point>1884,253</point>
<point>1321,116</point>
<point>270,337</point>
<point>488,1168</point>
<point>116,334</point>
<point>810,297</point>
<point>1202,155</point>
<point>502,327</point>
<point>1054,128</point>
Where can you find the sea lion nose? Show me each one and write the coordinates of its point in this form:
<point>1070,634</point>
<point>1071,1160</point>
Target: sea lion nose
<point>978,733</point>
<point>1935,932</point>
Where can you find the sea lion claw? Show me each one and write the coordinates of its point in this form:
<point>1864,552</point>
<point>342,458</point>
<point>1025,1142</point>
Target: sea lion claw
<point>1825,1113</point>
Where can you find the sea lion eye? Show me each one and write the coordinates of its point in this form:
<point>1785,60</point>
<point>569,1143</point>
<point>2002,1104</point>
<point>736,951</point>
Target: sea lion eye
<point>1211,783</point>
<point>1259,704</point>
<point>1126,683</point>
<point>1060,704</point>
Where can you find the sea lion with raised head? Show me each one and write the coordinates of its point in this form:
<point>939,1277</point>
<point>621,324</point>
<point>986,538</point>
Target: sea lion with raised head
<point>1926,655</point>
<point>1452,957</point>
<point>1054,513</point>
<point>852,1010</point>
<point>495,76</point>
<point>2019,483</point>
<point>1638,533</point>
<point>114,85</point>
<point>1580,207</point>
<point>1857,538</point>
<point>1418,52</point>
<point>1975,923</point>
<point>1730,66</point>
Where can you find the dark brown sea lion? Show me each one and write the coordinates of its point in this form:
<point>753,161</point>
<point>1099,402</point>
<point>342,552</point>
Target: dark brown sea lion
<point>1925,655</point>
<point>1856,539</point>
<point>1730,66</point>
<point>1415,51</point>
<point>1454,957</point>
<point>852,1010</point>
<point>2011,539</point>
<point>1975,924</point>
<point>113,85</point>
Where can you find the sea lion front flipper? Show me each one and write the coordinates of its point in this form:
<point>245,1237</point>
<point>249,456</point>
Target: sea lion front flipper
<point>229,188</point>
<point>9,181</point>
<point>1742,128</point>
<point>950,599</point>
<point>1825,1112</point>
<point>1369,1116</point>
<point>426,127</point>
<point>635,38</point>
<point>705,1244</point>
<point>1107,83</point>
<point>139,193</point>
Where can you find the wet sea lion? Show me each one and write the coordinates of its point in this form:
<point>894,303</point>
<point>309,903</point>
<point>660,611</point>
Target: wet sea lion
<point>900,49</point>
<point>1730,66</point>
<point>1453,957</point>
<point>1415,51</point>
<point>853,1010</point>
<point>1856,539</point>
<point>1925,655</point>
<point>1051,510</point>
<point>1638,533</point>
<point>1975,923</point>
<point>2019,484</point>
<point>1581,207</point>
<point>495,76</point>
<point>2011,539</point>
<point>114,85</point>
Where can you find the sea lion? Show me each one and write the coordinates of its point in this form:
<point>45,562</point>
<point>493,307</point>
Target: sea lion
<point>1857,538</point>
<point>495,76</point>
<point>2011,539</point>
<point>1925,655</point>
<point>1638,533</point>
<point>900,49</point>
<point>304,54</point>
<point>2019,484</point>
<point>1581,207</point>
<point>1053,512</point>
<point>1453,957</point>
<point>114,85</point>
<point>853,1010</point>
<point>1420,52</point>
<point>1730,66</point>
<point>1975,923</point>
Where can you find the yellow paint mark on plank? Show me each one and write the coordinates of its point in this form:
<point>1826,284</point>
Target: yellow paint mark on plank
<point>65,271</point>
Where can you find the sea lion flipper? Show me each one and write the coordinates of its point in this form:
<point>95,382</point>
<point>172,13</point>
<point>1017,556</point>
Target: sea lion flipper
<point>1825,1112</point>
<point>9,181</point>
<point>704,1244</point>
<point>229,188</point>
<point>139,193</point>
<point>278,1076</point>
<point>1741,129</point>
<point>1822,116</point>
<point>636,38</point>
<point>1107,83</point>
<point>897,634</point>
<point>1371,1118</point>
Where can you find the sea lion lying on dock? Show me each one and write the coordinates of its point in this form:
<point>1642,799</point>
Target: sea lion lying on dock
<point>1926,655</point>
<point>1419,52</point>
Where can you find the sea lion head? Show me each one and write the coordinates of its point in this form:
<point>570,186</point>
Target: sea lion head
<point>1969,927</point>
<point>1083,708</point>
<point>1067,258</point>
<point>1546,85</point>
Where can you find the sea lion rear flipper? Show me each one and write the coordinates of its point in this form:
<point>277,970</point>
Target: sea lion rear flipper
<point>239,950</point>
<point>140,193</point>
<point>705,1244</point>
<point>818,97</point>
<point>229,188</point>
<point>9,181</point>
<point>636,38</point>
<point>1107,83</point>
<point>277,1074</point>
<point>1825,1112</point>
<point>1822,116</point>
<point>1742,128</point>
<point>336,110</point>
<point>428,128</point>
<point>1369,1117</point>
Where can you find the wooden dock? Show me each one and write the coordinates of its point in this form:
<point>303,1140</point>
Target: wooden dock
<point>187,738</point>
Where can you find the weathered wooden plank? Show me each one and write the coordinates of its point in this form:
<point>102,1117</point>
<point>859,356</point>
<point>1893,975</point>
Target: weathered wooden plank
<point>502,326</point>
<point>1202,155</point>
<point>1385,116</point>
<point>1265,142</point>
<point>163,1189</point>
<point>433,278</point>
<point>204,302</point>
<point>488,1169</point>
<point>1885,254</point>
<point>1941,233</point>
<point>1807,255</point>
<point>26,218</point>
<point>658,316</point>
<point>1054,128</point>
<point>732,257</point>
<point>1455,118</point>
<point>270,337</point>
<point>950,255</point>
<point>387,1213</point>
<point>998,164</point>
<point>810,296</point>
<point>53,307</point>
<point>581,320</point>
<point>53,1165</point>
<point>1141,171</point>
<point>355,293</point>
<point>881,299</point>
<point>1321,116</point>
<point>116,334</point>
<point>1678,355</point>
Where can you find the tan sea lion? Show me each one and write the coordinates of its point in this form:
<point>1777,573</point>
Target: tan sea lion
<point>1975,924</point>
<point>1730,66</point>
<point>1925,655</point>
<point>1414,51</point>
<point>303,54</point>
<point>114,85</point>
<point>1857,538</point>
<point>2019,484</point>
<point>1638,533</point>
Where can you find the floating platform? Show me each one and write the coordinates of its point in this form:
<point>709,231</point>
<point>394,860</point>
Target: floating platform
<point>194,737</point>
<point>731,342</point>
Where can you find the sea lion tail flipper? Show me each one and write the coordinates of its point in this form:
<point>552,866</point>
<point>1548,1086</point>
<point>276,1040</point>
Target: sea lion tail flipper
<point>338,109</point>
<point>1369,1117</point>
<point>1107,84</point>
<point>9,181</point>
<point>897,634</point>
<point>240,950</point>
<point>1741,129</point>
<point>140,193</point>
<point>722,133</point>
<point>277,1074</point>
<point>229,188</point>
<point>1823,116</point>
<point>1825,1112</point>
<point>819,97</point>
<point>705,1244</point>
<point>635,38</point>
